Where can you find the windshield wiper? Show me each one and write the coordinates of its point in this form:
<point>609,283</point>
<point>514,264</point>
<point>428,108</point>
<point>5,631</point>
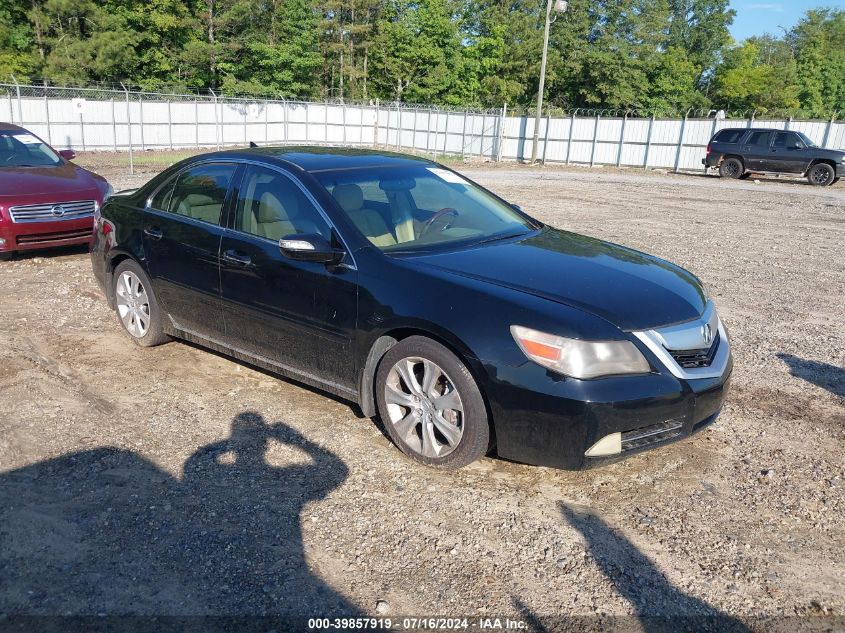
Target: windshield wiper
<point>499,238</point>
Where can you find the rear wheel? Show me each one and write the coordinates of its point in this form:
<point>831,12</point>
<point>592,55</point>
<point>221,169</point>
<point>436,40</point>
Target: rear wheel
<point>821,175</point>
<point>731,168</point>
<point>136,305</point>
<point>430,404</point>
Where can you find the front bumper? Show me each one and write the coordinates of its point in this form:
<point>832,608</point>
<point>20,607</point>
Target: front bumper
<point>545,419</point>
<point>37,235</point>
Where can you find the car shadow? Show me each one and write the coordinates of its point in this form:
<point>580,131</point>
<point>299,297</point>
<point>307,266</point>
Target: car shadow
<point>659,607</point>
<point>822,375</point>
<point>54,251</point>
<point>106,531</point>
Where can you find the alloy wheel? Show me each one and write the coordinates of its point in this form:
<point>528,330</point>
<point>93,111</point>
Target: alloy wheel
<point>133,304</point>
<point>820,176</point>
<point>424,407</point>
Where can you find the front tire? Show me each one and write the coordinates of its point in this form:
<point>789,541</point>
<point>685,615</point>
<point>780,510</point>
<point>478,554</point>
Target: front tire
<point>731,168</point>
<point>430,404</point>
<point>821,175</point>
<point>136,305</point>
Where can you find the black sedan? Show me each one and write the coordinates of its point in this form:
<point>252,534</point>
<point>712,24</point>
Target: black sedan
<point>396,283</point>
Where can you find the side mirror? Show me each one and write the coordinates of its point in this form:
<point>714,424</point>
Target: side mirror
<point>517,207</point>
<point>797,145</point>
<point>67,154</point>
<point>310,247</point>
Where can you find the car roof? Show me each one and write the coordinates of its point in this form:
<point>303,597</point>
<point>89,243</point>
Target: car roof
<point>324,158</point>
<point>11,126</point>
<point>754,129</point>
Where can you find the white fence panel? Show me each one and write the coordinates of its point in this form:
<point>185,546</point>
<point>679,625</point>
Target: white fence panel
<point>115,120</point>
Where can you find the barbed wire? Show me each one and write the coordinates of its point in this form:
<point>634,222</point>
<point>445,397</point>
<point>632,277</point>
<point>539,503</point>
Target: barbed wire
<point>106,91</point>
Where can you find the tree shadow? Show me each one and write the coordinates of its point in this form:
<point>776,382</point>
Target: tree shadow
<point>106,531</point>
<point>822,375</point>
<point>659,606</point>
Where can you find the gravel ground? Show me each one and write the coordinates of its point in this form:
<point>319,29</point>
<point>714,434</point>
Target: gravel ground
<point>175,481</point>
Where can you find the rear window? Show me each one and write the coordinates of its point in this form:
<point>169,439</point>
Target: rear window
<point>729,136</point>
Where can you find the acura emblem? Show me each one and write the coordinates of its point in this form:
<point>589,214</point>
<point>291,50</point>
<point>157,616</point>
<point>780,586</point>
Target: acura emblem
<point>707,334</point>
<point>58,210</point>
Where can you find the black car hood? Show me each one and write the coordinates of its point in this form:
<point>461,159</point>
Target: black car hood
<point>630,289</point>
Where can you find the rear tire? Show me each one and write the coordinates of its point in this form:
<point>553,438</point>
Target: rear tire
<point>731,168</point>
<point>430,405</point>
<point>136,305</point>
<point>821,175</point>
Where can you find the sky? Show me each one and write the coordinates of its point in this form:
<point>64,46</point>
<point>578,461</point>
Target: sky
<point>756,17</point>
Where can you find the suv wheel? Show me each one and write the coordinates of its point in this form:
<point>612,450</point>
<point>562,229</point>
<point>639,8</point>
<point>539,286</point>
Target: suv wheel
<point>430,404</point>
<point>731,168</point>
<point>136,305</point>
<point>821,175</point>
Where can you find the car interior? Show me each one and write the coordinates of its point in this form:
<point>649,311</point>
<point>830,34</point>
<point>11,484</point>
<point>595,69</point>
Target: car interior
<point>272,207</point>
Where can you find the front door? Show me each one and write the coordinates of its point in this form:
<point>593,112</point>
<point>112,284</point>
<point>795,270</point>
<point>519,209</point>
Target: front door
<point>182,234</point>
<point>788,154</point>
<point>299,315</point>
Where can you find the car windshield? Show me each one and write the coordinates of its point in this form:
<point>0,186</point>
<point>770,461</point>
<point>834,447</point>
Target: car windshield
<point>22,149</point>
<point>806,140</point>
<point>421,208</point>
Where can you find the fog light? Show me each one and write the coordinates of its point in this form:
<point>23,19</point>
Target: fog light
<point>608,445</point>
<point>2,243</point>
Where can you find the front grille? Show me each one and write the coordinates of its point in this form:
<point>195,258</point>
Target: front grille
<point>695,358</point>
<point>654,434</point>
<point>53,212</point>
<point>50,238</point>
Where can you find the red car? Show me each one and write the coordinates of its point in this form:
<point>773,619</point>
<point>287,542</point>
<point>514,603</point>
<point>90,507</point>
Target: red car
<point>44,199</point>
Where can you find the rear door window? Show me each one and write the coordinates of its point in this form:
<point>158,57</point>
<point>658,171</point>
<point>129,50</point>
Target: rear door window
<point>760,138</point>
<point>200,192</point>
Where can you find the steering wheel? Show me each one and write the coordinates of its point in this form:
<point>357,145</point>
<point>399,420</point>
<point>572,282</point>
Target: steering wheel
<point>434,218</point>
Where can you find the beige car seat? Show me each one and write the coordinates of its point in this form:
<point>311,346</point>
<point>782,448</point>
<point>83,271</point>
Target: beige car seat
<point>369,221</point>
<point>280,214</point>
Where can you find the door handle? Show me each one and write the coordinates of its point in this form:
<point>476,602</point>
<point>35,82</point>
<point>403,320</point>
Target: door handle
<point>237,258</point>
<point>154,232</point>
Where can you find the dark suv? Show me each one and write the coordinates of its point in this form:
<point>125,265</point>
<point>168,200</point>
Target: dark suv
<point>739,152</point>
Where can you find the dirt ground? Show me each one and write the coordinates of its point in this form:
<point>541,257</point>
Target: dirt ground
<point>176,481</point>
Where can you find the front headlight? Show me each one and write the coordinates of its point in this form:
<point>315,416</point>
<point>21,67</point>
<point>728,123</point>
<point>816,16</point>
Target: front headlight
<point>580,359</point>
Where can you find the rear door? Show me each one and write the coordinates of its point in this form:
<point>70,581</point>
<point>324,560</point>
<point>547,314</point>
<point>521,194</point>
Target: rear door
<point>299,315</point>
<point>788,154</point>
<point>182,235</point>
<point>756,150</point>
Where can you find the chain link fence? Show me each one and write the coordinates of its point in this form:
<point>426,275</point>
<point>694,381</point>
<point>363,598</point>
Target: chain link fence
<point>145,131</point>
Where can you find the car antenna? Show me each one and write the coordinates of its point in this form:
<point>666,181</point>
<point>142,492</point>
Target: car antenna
<point>252,144</point>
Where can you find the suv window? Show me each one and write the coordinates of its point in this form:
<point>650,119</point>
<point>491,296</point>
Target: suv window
<point>200,192</point>
<point>729,136</point>
<point>271,205</point>
<point>787,139</point>
<point>761,137</point>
